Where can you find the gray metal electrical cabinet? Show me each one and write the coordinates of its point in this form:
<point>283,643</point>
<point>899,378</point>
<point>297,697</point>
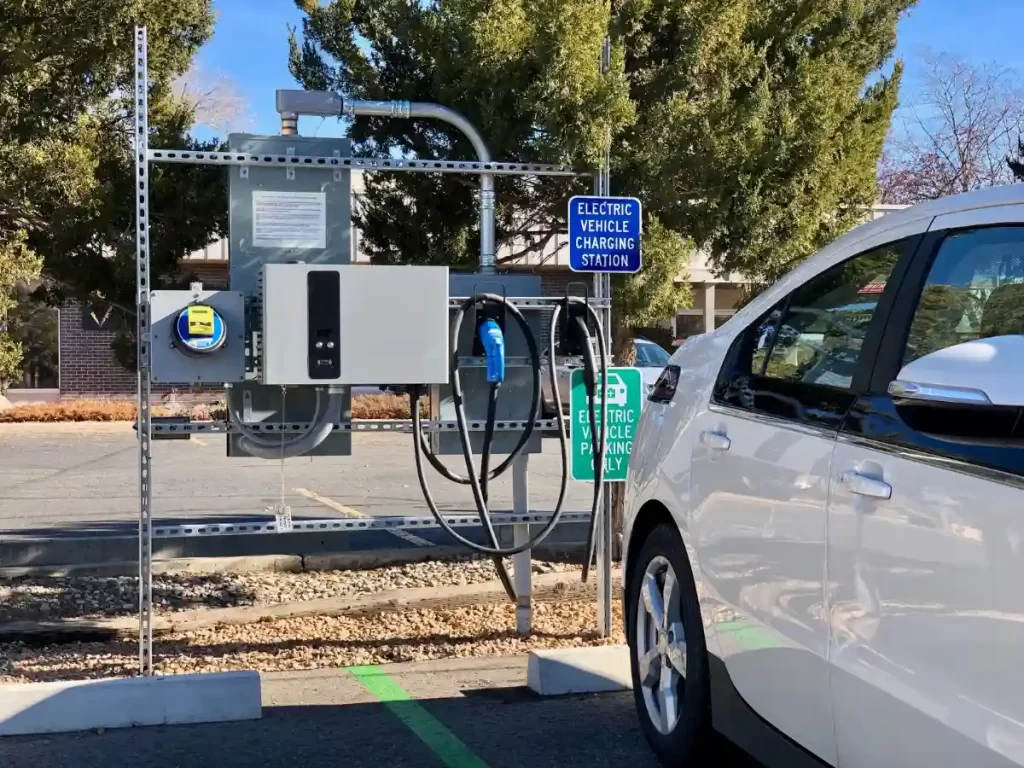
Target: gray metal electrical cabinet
<point>514,397</point>
<point>283,214</point>
<point>354,324</point>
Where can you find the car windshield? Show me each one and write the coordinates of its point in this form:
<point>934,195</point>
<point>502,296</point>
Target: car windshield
<point>649,355</point>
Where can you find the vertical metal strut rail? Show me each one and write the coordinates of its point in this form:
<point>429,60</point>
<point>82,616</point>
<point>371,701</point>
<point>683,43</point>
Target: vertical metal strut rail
<point>145,425</point>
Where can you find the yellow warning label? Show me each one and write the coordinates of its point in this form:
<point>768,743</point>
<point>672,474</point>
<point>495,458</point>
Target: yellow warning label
<point>200,321</point>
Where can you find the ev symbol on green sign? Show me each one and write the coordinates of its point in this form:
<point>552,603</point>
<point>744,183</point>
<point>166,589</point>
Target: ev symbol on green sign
<point>624,392</point>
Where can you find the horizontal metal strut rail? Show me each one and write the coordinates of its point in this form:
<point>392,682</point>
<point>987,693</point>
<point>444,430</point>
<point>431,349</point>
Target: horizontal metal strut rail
<point>394,523</point>
<point>505,168</point>
<point>369,425</point>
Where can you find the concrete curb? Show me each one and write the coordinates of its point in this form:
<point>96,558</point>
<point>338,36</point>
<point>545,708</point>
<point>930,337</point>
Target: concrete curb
<point>60,707</point>
<point>547,587</point>
<point>561,671</point>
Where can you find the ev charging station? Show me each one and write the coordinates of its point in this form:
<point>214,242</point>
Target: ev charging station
<point>300,324</point>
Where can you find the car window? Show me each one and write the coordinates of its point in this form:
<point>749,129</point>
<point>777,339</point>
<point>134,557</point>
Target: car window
<point>820,337</point>
<point>650,355</point>
<point>974,290</point>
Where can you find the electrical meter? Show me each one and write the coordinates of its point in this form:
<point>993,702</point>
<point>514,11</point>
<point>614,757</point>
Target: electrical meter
<point>199,329</point>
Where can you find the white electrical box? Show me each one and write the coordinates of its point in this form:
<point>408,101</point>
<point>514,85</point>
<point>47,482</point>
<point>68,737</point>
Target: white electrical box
<point>354,324</point>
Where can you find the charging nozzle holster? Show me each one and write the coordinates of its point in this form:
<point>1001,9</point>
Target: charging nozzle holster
<point>573,325</point>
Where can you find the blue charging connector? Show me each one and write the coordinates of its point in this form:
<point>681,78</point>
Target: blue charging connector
<point>493,341</point>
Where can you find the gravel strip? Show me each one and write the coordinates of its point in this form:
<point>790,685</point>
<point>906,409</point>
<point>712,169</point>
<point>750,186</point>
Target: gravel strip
<point>93,597</point>
<point>320,641</point>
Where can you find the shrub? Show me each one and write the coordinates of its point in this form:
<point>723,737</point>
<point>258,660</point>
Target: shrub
<point>382,406</point>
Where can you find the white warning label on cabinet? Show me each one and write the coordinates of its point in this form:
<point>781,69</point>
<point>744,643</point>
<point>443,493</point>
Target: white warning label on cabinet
<point>289,219</point>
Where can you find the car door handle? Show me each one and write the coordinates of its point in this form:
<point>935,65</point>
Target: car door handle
<point>865,486</point>
<point>715,440</point>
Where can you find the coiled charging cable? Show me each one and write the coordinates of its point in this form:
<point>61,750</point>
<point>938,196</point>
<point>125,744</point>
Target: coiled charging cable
<point>478,483</point>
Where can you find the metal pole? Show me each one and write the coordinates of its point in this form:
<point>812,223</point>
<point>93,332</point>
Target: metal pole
<point>145,426</point>
<point>603,290</point>
<point>406,109</point>
<point>522,566</point>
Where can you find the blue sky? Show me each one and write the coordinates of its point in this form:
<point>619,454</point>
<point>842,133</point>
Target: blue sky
<point>251,45</point>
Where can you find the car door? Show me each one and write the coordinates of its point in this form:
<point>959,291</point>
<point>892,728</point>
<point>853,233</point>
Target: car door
<point>926,530</point>
<point>759,486</point>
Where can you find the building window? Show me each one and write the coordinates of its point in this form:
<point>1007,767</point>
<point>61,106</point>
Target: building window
<point>691,322</point>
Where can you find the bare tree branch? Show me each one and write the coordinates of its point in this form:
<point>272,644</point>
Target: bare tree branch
<point>959,123</point>
<point>215,98</point>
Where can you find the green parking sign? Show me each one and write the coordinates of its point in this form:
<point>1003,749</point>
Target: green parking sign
<point>624,392</point>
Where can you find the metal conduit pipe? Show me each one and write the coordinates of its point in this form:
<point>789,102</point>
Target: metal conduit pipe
<point>330,104</point>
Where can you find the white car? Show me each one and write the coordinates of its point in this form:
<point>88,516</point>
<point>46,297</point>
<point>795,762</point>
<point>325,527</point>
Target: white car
<point>824,530</point>
<point>650,359</point>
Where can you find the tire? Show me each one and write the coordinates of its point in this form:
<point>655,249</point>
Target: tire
<point>682,741</point>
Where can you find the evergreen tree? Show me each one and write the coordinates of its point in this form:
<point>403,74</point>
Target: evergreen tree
<point>67,178</point>
<point>747,127</point>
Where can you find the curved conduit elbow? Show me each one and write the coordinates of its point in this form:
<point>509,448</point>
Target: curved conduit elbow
<point>323,425</point>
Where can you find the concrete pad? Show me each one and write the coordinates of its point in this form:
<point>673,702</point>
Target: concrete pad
<point>560,671</point>
<point>124,703</point>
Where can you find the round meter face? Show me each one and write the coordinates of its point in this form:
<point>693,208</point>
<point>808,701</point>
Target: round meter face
<point>200,329</point>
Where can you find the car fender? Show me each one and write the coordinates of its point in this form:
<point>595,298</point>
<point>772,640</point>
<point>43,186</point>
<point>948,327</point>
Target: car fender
<point>659,464</point>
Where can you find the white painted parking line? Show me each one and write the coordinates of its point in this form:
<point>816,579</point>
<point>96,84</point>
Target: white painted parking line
<point>350,512</point>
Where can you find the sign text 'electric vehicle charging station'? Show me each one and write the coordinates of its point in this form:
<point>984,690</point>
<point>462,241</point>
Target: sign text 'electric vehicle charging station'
<point>624,393</point>
<point>604,234</point>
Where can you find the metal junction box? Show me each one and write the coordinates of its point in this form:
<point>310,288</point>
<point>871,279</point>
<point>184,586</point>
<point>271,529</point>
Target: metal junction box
<point>354,324</point>
<point>172,361</point>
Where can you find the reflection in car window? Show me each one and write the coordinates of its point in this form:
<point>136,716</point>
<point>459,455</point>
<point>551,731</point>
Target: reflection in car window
<point>975,290</point>
<point>650,355</point>
<point>763,338</point>
<point>820,338</point>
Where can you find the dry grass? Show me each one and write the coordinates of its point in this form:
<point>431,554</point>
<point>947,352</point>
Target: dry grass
<point>382,406</point>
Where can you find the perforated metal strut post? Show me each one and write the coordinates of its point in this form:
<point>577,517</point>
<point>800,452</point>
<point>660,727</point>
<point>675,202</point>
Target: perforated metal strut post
<point>145,428</point>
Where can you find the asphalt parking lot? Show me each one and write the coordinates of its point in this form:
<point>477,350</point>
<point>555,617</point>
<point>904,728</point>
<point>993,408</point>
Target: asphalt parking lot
<point>462,713</point>
<point>84,477</point>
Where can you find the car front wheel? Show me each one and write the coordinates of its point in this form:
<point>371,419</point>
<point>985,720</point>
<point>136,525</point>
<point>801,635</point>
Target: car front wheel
<point>667,650</point>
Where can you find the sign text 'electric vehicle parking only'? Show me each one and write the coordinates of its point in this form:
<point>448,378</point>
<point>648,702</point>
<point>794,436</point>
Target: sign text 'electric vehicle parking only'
<point>604,234</point>
<point>624,392</point>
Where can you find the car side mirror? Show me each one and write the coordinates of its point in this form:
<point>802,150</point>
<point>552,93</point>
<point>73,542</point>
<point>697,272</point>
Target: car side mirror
<point>979,372</point>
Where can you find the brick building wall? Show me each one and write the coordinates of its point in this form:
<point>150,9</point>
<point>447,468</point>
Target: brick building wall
<point>88,368</point>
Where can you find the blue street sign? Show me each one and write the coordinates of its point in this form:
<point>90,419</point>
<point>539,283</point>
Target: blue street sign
<point>604,234</point>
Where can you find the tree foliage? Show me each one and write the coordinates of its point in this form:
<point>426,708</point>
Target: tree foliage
<point>745,126</point>
<point>67,183</point>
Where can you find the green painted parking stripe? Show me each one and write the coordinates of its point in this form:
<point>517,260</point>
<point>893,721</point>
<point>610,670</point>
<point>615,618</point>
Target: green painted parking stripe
<point>448,747</point>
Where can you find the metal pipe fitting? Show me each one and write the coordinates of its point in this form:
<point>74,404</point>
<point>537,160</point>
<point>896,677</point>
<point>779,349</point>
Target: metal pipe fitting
<point>289,124</point>
<point>406,109</point>
<point>292,103</point>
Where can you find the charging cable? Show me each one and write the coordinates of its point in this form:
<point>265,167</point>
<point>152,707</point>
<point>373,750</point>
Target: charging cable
<point>478,483</point>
